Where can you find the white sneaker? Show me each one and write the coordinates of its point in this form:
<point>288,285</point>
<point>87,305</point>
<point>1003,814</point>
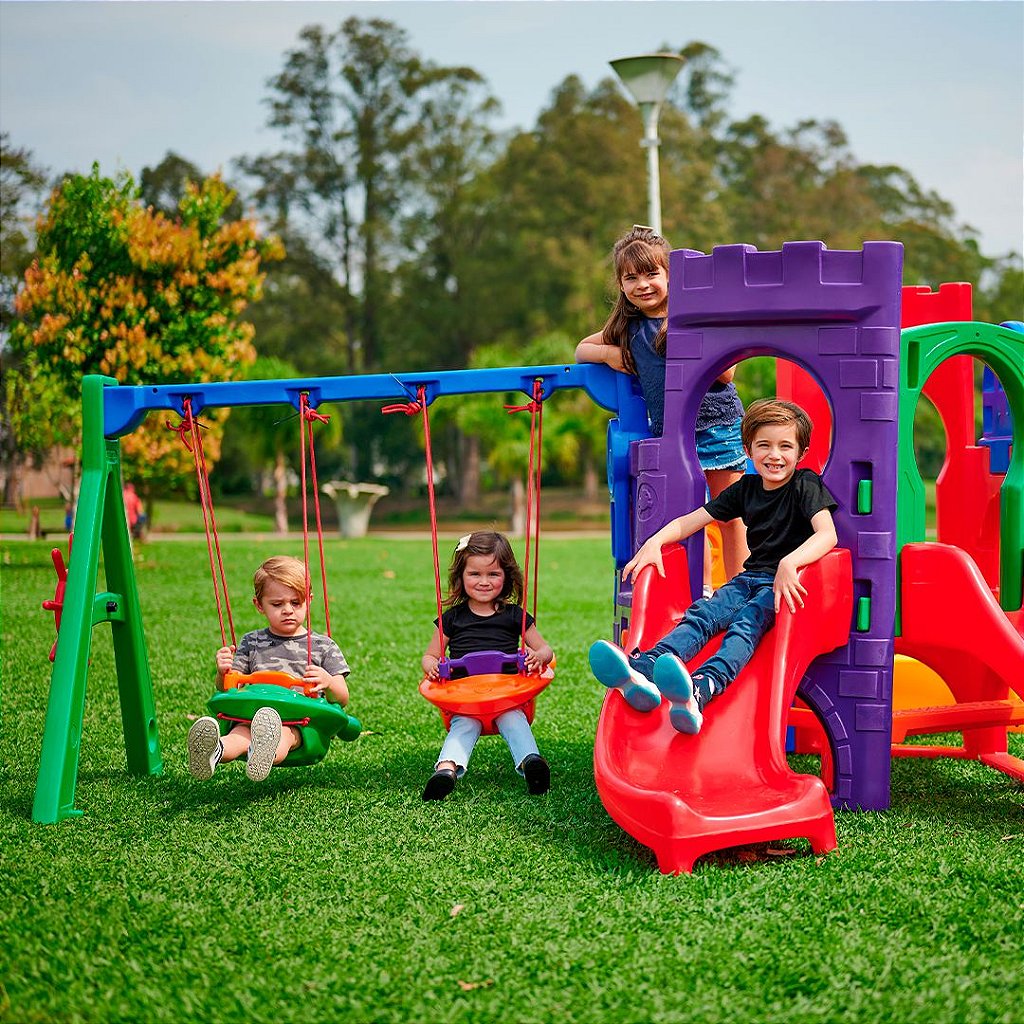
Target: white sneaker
<point>266,735</point>
<point>204,747</point>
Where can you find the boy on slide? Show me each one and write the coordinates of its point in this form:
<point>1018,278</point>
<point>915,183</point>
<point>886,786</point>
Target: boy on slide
<point>788,516</point>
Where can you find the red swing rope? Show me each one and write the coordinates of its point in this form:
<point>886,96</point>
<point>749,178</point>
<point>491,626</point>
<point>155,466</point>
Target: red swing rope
<point>411,409</point>
<point>307,415</point>
<point>538,400</point>
<point>191,437</point>
<point>536,409</point>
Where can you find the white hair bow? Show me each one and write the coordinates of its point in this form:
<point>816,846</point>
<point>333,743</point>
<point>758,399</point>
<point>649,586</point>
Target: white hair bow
<point>463,542</point>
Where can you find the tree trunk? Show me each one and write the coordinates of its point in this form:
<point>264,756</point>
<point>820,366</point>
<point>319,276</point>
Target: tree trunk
<point>518,494</point>
<point>351,312</point>
<point>280,492</point>
<point>12,480</point>
<point>590,481</point>
<point>469,478</point>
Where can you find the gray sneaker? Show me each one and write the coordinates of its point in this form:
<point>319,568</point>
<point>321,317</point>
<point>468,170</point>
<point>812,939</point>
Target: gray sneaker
<point>266,734</point>
<point>204,747</point>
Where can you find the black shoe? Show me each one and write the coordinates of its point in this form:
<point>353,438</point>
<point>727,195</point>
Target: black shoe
<point>440,784</point>
<point>538,774</point>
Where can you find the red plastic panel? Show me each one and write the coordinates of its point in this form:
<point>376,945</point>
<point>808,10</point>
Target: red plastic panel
<point>953,623</point>
<point>952,302</point>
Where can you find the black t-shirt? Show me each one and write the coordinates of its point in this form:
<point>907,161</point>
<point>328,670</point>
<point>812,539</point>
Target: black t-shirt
<point>468,633</point>
<point>777,521</point>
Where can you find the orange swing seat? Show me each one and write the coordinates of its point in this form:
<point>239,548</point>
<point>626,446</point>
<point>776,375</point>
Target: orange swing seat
<point>486,694</point>
<point>266,677</point>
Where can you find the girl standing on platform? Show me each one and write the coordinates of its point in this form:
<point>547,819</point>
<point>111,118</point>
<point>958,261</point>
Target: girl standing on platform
<point>633,341</point>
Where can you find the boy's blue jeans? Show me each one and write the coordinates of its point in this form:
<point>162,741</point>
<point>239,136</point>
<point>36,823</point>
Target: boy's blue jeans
<point>744,609</point>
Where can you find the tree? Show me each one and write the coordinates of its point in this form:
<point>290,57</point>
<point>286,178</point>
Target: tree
<point>123,290</point>
<point>21,184</point>
<point>1002,298</point>
<point>350,103</point>
<point>573,427</point>
<point>263,441</point>
<point>440,312</point>
<point>164,187</point>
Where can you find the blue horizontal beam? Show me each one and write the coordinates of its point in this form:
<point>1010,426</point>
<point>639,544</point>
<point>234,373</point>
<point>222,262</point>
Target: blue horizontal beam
<point>124,407</point>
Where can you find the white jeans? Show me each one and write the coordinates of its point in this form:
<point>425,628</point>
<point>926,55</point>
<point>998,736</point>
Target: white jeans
<point>464,732</point>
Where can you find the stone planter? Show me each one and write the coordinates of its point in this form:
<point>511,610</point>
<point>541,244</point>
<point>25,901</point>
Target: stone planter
<point>354,503</point>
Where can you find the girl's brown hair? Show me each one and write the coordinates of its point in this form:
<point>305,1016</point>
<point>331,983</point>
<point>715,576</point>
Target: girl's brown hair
<point>485,542</point>
<point>640,251</point>
<point>767,412</point>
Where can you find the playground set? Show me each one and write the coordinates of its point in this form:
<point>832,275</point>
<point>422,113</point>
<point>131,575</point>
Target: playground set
<point>953,606</point>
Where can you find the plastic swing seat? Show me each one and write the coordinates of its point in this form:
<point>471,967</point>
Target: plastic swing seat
<point>486,692</point>
<point>317,720</point>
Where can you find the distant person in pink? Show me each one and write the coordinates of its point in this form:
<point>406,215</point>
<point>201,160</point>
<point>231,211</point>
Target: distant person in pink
<point>135,510</point>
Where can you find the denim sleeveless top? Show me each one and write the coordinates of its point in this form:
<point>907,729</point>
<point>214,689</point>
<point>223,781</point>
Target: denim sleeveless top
<point>650,367</point>
<point>719,407</point>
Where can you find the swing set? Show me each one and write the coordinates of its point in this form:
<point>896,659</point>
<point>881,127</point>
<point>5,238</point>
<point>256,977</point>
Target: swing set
<point>109,411</point>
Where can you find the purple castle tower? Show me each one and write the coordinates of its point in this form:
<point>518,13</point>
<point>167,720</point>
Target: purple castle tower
<point>836,314</point>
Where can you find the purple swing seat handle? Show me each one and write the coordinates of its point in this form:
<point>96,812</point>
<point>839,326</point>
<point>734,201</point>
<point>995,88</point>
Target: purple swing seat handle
<point>482,663</point>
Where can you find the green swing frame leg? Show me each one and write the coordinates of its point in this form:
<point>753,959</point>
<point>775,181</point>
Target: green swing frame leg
<point>100,520</point>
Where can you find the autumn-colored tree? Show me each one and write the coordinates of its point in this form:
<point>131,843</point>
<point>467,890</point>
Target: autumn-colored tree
<point>127,291</point>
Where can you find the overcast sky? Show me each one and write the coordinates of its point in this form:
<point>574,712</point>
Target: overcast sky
<point>934,86</point>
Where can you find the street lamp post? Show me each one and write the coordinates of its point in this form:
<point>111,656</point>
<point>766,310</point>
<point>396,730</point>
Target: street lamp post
<point>647,79</point>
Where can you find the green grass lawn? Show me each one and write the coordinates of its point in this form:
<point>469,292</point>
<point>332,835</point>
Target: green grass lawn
<point>333,893</point>
<point>563,508</point>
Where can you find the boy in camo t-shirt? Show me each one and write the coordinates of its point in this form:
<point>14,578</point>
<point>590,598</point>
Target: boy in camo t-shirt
<point>279,585</point>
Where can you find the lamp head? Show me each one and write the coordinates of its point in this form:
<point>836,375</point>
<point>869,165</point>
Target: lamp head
<point>647,78</point>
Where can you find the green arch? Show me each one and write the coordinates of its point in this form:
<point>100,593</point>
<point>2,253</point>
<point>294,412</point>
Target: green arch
<point>922,349</point>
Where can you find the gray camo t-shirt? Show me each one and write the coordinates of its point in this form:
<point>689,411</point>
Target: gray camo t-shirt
<point>262,650</point>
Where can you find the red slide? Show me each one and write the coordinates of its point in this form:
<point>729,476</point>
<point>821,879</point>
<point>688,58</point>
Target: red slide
<point>952,622</point>
<point>685,796</point>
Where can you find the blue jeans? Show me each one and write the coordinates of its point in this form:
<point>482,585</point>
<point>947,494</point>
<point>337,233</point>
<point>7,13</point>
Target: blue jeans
<point>744,609</point>
<point>464,732</point>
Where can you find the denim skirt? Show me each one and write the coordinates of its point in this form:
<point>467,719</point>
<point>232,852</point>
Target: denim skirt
<point>721,447</point>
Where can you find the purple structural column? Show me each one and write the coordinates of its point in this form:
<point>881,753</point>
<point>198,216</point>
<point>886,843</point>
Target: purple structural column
<point>997,423</point>
<point>837,314</point>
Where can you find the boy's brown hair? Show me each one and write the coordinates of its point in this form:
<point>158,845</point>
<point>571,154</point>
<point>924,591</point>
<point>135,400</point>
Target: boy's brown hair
<point>769,412</point>
<point>283,569</point>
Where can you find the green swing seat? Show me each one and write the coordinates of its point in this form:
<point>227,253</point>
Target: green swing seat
<point>317,720</point>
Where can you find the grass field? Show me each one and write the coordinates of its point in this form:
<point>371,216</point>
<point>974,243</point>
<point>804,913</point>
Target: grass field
<point>563,508</point>
<point>333,893</point>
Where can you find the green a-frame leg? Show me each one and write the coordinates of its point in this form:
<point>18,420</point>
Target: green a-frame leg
<point>100,518</point>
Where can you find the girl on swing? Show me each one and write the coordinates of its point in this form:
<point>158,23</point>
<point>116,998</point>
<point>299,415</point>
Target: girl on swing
<point>485,588</point>
<point>280,586</point>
